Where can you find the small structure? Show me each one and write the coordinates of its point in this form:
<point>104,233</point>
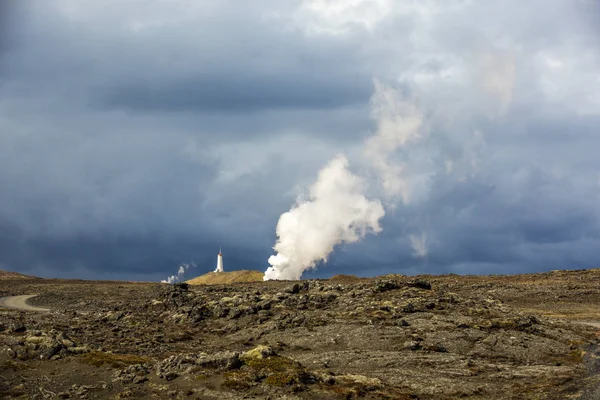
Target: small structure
<point>219,262</point>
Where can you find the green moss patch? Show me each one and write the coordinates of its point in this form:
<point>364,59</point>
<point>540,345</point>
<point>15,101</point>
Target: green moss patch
<point>273,371</point>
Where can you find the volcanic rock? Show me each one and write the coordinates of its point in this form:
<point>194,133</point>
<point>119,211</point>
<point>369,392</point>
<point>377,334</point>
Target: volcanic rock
<point>387,337</point>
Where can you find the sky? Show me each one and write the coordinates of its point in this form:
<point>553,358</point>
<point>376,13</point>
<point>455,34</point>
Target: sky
<point>139,135</point>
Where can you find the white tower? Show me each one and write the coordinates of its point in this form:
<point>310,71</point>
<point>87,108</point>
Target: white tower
<point>219,262</point>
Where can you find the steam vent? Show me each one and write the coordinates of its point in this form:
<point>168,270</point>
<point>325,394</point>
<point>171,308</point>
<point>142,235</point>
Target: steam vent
<point>219,262</point>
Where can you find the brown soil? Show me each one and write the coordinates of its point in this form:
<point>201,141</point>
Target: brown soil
<point>220,278</point>
<point>392,337</point>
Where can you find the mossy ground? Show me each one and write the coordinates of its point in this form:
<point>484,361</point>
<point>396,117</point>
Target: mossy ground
<point>14,366</point>
<point>99,358</point>
<point>273,371</point>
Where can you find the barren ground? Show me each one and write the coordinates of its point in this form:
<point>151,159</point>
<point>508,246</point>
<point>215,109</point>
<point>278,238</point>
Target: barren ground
<point>395,337</point>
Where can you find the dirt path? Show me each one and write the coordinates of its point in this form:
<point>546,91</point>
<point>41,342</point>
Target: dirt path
<point>20,303</point>
<point>591,323</point>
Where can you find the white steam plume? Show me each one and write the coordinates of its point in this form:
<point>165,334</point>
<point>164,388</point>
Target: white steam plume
<point>180,273</point>
<point>337,211</point>
<point>399,122</point>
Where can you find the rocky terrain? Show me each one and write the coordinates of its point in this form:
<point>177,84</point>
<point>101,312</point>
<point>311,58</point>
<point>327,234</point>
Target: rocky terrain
<point>390,337</point>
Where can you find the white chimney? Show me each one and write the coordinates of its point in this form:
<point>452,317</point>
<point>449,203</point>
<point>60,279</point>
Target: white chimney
<point>219,262</point>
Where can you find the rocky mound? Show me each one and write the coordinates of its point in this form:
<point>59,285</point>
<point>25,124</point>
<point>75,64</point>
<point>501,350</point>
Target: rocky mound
<point>219,278</point>
<point>341,278</point>
<point>7,275</point>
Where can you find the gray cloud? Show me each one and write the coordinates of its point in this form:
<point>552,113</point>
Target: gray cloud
<point>241,94</point>
<point>135,139</point>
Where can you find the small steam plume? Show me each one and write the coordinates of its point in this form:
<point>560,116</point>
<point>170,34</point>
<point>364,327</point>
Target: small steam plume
<point>337,212</point>
<point>180,273</point>
<point>419,245</point>
<point>337,209</point>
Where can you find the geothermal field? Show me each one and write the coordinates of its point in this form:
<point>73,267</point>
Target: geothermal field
<point>389,337</point>
<point>402,198</point>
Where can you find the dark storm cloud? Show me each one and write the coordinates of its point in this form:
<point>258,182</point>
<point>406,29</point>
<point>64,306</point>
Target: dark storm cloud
<point>138,256</point>
<point>136,138</point>
<point>472,231</point>
<point>189,66</point>
<point>6,21</point>
<point>11,12</point>
<point>236,93</point>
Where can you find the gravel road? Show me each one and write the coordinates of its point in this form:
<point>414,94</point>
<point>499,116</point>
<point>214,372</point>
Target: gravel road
<point>20,303</point>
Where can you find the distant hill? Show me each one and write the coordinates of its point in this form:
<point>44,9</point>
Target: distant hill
<point>219,278</point>
<point>8,275</point>
<point>345,278</point>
